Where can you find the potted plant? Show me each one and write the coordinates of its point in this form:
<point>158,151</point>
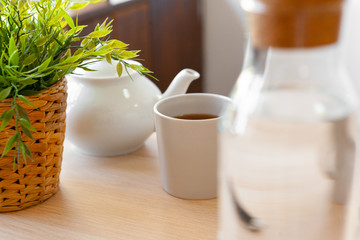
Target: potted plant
<point>39,44</point>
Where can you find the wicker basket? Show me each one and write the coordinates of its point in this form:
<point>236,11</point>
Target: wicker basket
<point>31,184</point>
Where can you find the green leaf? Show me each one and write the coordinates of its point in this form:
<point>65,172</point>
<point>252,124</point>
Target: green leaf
<point>87,69</point>
<point>29,60</point>
<point>10,144</point>
<point>14,58</point>
<point>13,52</point>
<point>78,6</point>
<point>75,30</point>
<point>98,53</point>
<point>26,124</point>
<point>12,46</point>
<point>25,100</point>
<point>27,81</point>
<point>119,69</point>
<point>71,59</point>
<point>6,118</point>
<point>139,68</point>
<point>117,44</point>
<point>5,93</point>
<point>99,33</point>
<point>28,152</point>
<point>67,54</point>
<point>68,19</point>
<point>108,57</point>
<point>42,41</point>
<point>29,92</point>
<point>22,112</point>
<point>44,65</point>
<point>129,54</point>
<point>56,18</point>
<point>27,133</point>
<point>79,51</point>
<point>22,150</point>
<point>91,44</point>
<point>84,42</point>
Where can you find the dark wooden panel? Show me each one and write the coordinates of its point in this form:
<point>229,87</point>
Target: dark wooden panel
<point>132,25</point>
<point>176,38</point>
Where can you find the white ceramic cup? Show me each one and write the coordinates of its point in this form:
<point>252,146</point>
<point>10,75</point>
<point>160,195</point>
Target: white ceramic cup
<point>188,149</point>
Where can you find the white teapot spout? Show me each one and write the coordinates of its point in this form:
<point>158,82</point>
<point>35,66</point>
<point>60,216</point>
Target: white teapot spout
<point>181,82</point>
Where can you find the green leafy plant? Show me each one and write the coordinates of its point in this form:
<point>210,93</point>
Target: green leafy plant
<point>40,43</point>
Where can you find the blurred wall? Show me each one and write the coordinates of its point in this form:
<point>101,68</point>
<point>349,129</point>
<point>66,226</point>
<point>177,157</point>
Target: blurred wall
<point>224,41</point>
<point>350,42</point>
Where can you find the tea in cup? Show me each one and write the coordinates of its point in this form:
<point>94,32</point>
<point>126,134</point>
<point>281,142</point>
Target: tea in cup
<point>187,136</point>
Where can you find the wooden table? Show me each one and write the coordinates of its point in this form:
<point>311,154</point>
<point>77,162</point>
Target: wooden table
<point>112,198</point>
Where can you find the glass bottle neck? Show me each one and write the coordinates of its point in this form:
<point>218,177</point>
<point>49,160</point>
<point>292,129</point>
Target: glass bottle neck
<point>278,83</point>
<point>308,65</point>
<point>299,63</point>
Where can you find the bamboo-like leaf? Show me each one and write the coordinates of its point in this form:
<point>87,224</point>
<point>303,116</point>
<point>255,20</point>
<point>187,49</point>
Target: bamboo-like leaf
<point>63,24</point>
<point>71,59</point>
<point>26,124</point>
<point>137,67</point>
<point>129,54</point>
<point>29,60</point>
<point>78,6</point>
<point>28,152</point>
<point>22,150</point>
<point>84,42</point>
<point>119,69</point>
<point>14,58</point>
<point>10,144</point>
<point>79,51</point>
<point>5,93</point>
<point>44,65</point>
<point>95,1</point>
<point>100,33</point>
<point>97,27</point>
<point>68,19</point>
<point>91,45</point>
<point>87,69</point>
<point>22,112</point>
<point>53,80</point>
<point>25,100</point>
<point>27,81</point>
<point>6,118</point>
<point>108,57</point>
<point>75,30</point>
<point>27,133</point>
<point>12,46</point>
<point>67,54</point>
<point>98,53</point>
<point>117,44</point>
<point>42,41</point>
<point>56,18</point>
<point>29,92</point>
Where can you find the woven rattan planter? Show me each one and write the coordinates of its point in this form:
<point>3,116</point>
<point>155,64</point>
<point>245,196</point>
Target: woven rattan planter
<point>37,181</point>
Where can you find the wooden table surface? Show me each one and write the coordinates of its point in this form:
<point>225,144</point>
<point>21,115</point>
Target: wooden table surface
<point>112,198</point>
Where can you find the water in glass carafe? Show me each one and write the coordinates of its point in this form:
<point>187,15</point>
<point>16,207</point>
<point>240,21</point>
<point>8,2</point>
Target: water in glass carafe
<point>288,165</point>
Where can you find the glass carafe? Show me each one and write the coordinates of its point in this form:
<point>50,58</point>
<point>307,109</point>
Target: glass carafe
<point>288,166</point>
